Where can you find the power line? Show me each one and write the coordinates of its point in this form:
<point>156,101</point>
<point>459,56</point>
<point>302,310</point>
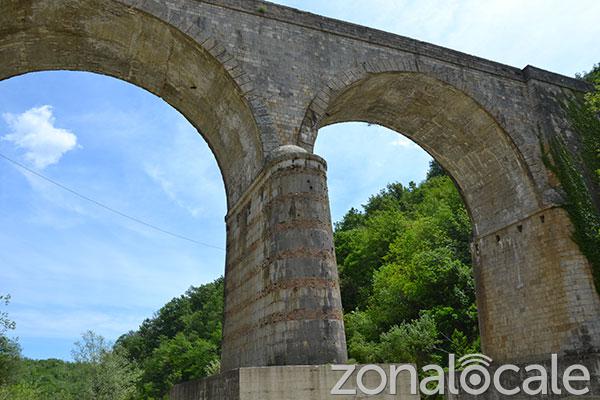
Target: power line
<point>108,208</point>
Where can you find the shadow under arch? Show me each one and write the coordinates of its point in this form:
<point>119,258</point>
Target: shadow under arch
<point>454,129</point>
<point>110,38</point>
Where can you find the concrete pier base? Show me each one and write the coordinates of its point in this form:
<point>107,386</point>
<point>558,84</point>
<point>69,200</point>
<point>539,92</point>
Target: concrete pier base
<point>288,383</point>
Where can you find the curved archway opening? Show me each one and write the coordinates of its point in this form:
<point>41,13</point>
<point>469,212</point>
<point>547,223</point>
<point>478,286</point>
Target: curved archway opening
<point>137,44</point>
<point>112,38</point>
<point>402,237</point>
<point>455,130</point>
<point>478,155</point>
<point>107,208</point>
<point>371,156</point>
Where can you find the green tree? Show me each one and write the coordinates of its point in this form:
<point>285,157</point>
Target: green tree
<point>435,169</point>
<point>20,391</point>
<point>10,354</point>
<point>406,275</point>
<point>54,379</point>
<point>6,324</point>
<point>10,351</point>
<point>109,374</point>
<point>593,77</point>
<point>179,359</point>
<point>90,349</point>
<point>181,342</point>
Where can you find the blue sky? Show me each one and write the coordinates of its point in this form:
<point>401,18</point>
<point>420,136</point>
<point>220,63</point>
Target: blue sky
<point>72,266</point>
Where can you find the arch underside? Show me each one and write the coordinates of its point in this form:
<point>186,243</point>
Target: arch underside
<point>106,37</point>
<point>456,131</point>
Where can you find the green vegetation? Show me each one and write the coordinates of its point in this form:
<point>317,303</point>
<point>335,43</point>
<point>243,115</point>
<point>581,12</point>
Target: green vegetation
<point>98,373</point>
<point>49,379</point>
<point>579,175</point>
<point>181,342</point>
<point>405,271</point>
<point>593,98</point>
<point>107,373</point>
<point>9,348</point>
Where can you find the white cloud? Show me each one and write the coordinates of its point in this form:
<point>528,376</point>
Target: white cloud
<point>158,175</point>
<point>188,174</point>
<point>403,141</point>
<point>34,132</point>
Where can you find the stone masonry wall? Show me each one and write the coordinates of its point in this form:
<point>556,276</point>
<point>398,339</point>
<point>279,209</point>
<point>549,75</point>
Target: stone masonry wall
<point>282,294</point>
<point>535,293</point>
<point>290,62</point>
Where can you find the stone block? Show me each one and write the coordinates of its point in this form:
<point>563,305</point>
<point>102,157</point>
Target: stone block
<point>288,383</point>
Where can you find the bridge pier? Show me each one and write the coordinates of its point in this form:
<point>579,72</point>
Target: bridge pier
<point>535,291</point>
<point>282,296</point>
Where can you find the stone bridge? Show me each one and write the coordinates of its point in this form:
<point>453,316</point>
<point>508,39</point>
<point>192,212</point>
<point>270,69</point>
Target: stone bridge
<point>258,80</point>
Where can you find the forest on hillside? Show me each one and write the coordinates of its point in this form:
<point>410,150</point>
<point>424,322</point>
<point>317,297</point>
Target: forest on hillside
<point>405,275</point>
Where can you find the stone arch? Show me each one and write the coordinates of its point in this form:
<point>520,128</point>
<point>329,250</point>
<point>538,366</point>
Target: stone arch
<point>520,246</point>
<point>447,123</point>
<point>109,37</point>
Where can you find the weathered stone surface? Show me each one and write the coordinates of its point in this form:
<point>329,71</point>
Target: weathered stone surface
<point>258,80</point>
<point>535,292</point>
<point>282,294</point>
<point>289,383</point>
